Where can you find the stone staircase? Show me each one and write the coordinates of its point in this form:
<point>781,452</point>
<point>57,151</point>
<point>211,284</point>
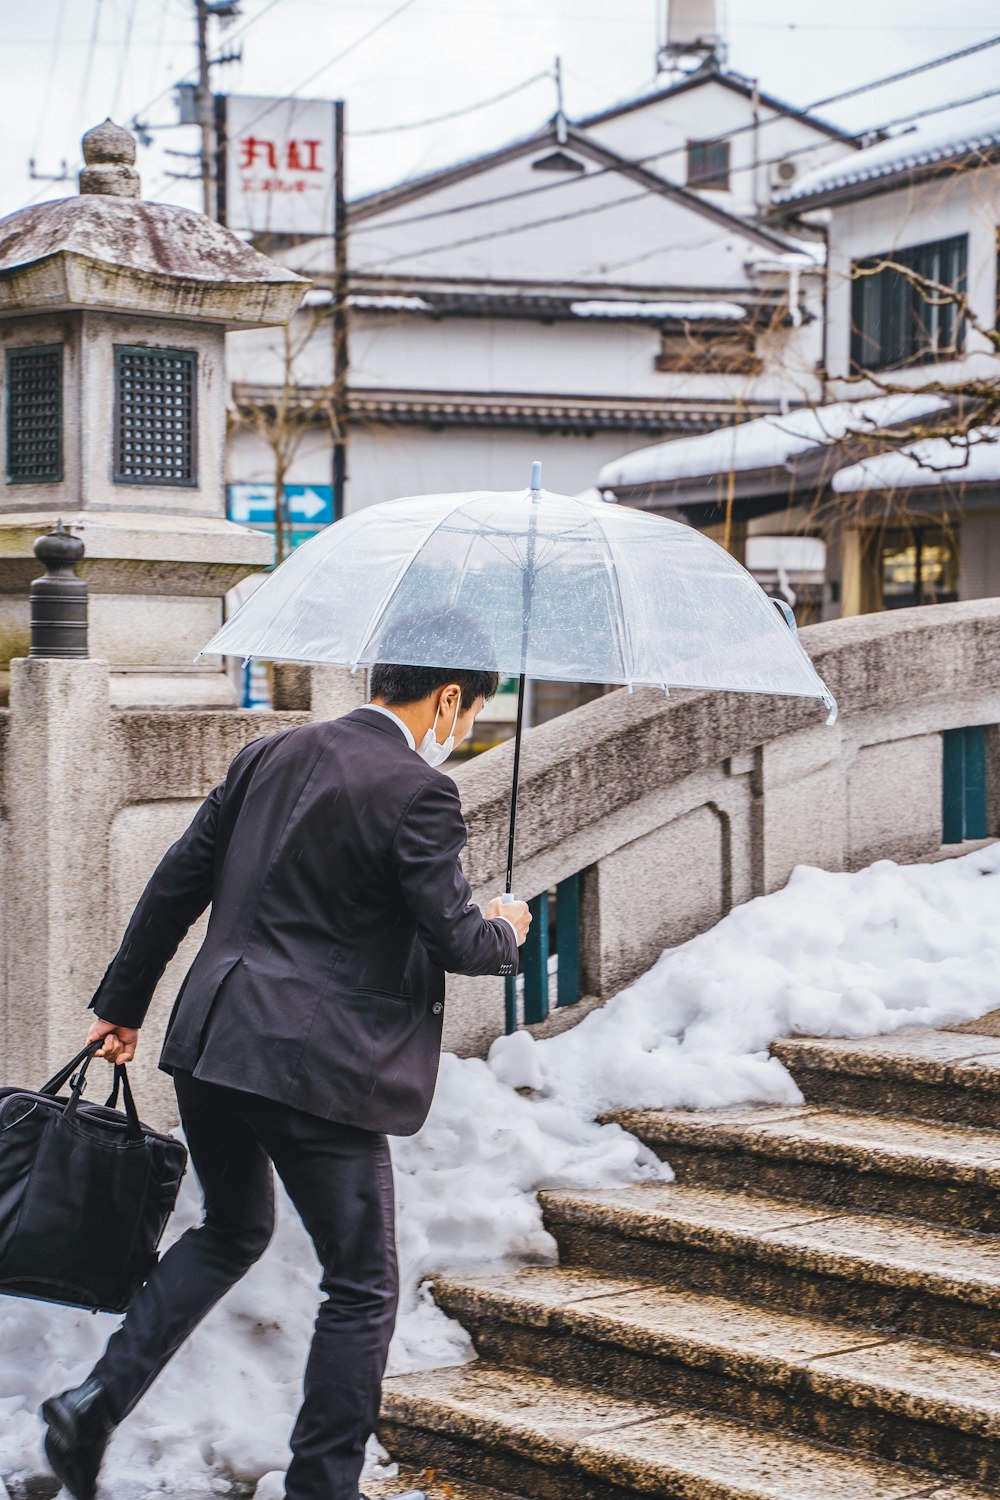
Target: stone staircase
<point>811,1312</point>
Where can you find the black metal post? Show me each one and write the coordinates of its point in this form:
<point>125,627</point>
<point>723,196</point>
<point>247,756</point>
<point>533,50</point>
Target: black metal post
<point>340,280</point>
<point>58,600</point>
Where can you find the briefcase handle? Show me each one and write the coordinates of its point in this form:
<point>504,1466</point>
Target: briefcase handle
<point>82,1061</point>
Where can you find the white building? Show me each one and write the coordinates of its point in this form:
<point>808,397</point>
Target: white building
<point>904,528</point>
<point>566,297</point>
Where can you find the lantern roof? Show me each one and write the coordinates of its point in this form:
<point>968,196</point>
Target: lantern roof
<point>107,250</point>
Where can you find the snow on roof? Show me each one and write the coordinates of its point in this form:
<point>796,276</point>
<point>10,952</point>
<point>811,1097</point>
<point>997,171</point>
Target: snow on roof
<point>765,442</point>
<point>322,296</point>
<point>686,311</point>
<point>390,303</point>
<point>934,461</point>
<point>955,132</point>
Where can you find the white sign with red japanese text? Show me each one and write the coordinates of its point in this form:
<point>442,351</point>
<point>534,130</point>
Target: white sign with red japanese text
<point>280,165</point>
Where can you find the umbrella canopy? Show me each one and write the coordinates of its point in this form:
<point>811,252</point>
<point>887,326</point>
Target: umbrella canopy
<point>561,587</point>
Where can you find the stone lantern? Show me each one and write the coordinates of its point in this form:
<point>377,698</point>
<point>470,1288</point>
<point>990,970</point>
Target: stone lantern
<point>113,315</point>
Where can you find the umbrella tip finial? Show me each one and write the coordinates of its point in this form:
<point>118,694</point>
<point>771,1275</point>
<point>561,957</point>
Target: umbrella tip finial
<point>536,475</point>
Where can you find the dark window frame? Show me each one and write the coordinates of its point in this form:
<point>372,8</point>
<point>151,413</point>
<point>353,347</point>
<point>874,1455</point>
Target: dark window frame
<point>893,325</point>
<point>701,172</point>
<point>20,351</point>
<point>154,481</point>
<point>705,348</point>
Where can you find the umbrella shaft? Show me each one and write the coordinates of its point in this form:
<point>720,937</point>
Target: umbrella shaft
<point>513,790</point>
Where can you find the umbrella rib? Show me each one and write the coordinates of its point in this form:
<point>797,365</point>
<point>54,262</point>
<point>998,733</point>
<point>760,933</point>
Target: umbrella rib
<point>623,626</point>
<point>381,610</point>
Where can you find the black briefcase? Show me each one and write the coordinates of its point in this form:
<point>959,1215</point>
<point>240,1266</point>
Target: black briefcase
<point>85,1192</point>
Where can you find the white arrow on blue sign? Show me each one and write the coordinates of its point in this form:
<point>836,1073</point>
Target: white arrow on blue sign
<point>307,504</point>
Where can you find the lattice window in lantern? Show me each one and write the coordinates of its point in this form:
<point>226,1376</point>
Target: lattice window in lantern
<point>155,416</point>
<point>34,415</point>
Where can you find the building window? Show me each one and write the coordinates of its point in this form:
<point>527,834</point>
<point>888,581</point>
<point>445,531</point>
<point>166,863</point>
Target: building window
<point>898,319</point>
<point>154,434</point>
<point>708,164</point>
<point>34,415</point>
<point>709,351</point>
<point>919,566</point>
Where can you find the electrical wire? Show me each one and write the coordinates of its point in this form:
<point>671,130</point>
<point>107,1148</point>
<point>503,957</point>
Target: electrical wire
<point>453,114</point>
<point>331,62</point>
<point>670,151</point>
<point>631,198</point>
<point>81,98</point>
<point>126,49</point>
<point>912,72</point>
<point>53,58</point>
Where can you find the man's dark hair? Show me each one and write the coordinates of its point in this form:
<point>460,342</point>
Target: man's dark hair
<point>397,684</point>
<point>448,633</point>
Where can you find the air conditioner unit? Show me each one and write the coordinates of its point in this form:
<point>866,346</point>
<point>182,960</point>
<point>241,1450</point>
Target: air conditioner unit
<point>783,174</point>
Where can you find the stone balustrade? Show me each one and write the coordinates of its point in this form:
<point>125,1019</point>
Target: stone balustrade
<point>672,809</point>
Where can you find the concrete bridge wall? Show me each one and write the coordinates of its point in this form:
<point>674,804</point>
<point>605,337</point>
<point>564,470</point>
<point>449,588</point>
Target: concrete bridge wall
<point>674,810</point>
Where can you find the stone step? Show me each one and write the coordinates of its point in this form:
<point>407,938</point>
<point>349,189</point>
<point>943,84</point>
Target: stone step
<point>867,1269</point>
<point>897,1398</point>
<point>930,1075</point>
<point>836,1158</point>
<point>434,1484</point>
<point>527,1434</point>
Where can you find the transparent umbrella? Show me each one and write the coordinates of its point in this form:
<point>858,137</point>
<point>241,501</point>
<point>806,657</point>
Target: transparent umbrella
<point>528,584</point>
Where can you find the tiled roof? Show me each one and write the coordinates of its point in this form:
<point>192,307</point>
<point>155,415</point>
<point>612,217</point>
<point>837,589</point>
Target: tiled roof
<point>952,136</point>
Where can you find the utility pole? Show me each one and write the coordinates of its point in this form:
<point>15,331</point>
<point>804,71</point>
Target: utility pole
<point>206,112</point>
<point>220,10</point>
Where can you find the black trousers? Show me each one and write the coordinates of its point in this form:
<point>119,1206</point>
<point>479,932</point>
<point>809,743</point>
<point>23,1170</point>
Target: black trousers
<point>340,1181</point>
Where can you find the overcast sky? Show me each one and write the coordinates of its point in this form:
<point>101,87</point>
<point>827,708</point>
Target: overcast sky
<point>65,64</point>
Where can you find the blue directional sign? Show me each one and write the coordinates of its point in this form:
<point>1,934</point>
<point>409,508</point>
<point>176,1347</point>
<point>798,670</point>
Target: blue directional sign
<point>307,505</point>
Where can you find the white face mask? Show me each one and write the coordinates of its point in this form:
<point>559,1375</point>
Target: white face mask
<point>429,749</point>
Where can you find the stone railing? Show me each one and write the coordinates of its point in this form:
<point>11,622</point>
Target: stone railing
<point>671,811</point>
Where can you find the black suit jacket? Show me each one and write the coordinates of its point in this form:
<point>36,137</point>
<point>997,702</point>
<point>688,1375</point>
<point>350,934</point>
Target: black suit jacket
<point>330,855</point>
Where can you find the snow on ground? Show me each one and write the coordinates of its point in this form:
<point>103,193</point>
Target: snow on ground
<point>831,954</point>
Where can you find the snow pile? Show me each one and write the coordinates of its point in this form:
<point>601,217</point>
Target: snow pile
<point>764,442</point>
<point>685,312</point>
<point>831,954</point>
<point>974,459</point>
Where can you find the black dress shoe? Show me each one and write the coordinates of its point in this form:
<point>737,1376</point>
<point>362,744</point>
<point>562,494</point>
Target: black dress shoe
<point>79,1426</point>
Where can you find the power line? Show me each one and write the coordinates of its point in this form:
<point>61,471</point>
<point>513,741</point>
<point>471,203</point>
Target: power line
<point>56,43</point>
<point>331,62</point>
<point>670,151</point>
<point>126,49</point>
<point>81,99</point>
<point>908,72</point>
<point>631,198</point>
<point>453,114</point>
<point>190,75</point>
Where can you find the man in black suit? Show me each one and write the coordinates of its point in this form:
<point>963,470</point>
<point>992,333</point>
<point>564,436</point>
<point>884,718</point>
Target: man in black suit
<point>307,1029</point>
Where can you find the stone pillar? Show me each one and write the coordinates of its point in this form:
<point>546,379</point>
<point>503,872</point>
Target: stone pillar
<point>336,690</point>
<point>800,806</point>
<point>59,775</point>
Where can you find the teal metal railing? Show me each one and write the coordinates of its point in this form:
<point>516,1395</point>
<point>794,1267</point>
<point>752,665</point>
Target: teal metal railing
<point>554,932</point>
